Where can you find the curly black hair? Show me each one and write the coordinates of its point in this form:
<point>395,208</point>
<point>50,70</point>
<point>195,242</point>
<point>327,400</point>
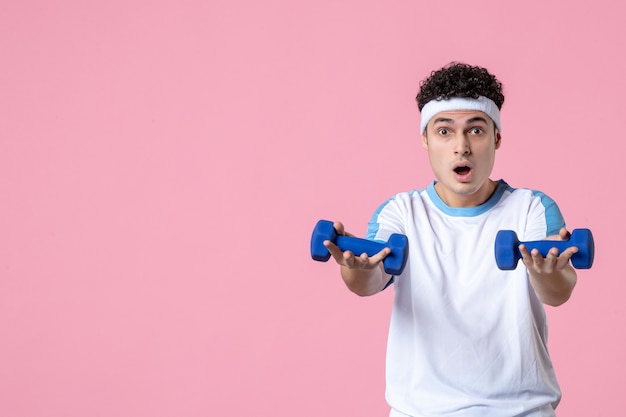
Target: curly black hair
<point>460,80</point>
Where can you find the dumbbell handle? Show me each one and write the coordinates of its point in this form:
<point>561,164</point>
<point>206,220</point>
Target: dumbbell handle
<point>543,246</point>
<point>358,246</point>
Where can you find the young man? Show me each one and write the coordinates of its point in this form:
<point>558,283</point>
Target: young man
<point>465,338</point>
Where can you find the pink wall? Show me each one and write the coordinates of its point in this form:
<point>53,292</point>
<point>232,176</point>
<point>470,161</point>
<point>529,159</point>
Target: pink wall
<point>162,164</point>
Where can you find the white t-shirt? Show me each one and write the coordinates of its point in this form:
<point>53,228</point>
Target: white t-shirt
<point>465,338</point>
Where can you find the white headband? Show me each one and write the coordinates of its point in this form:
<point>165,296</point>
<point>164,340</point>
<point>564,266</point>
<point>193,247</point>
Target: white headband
<point>481,103</point>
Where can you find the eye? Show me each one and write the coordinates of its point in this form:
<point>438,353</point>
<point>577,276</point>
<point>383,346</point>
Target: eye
<point>443,131</point>
<point>476,131</point>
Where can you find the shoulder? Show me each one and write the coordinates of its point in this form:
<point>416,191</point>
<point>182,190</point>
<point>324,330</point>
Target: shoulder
<point>393,214</point>
<point>405,198</point>
<point>538,205</point>
<point>526,193</point>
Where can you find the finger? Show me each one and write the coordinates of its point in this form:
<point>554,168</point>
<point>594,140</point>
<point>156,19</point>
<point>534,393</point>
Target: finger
<point>566,256</point>
<point>349,260</point>
<point>365,261</point>
<point>537,260</point>
<point>380,256</point>
<point>526,257</point>
<point>563,234</point>
<point>341,257</point>
<point>334,250</point>
<point>551,260</point>
<point>339,228</point>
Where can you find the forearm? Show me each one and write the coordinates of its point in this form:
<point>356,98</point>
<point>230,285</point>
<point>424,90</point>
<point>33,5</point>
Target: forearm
<point>555,288</point>
<point>365,282</point>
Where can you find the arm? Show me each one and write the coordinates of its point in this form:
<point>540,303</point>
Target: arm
<point>552,277</point>
<point>363,275</point>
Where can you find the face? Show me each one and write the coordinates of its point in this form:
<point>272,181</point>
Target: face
<point>461,147</point>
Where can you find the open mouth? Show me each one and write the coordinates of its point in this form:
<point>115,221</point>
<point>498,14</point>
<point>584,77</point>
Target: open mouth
<point>462,170</point>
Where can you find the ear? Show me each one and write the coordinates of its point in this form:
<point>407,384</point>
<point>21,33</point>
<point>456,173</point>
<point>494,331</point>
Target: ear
<point>498,139</point>
<point>424,141</point>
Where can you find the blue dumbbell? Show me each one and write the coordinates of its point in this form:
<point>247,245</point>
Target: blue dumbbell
<point>394,262</point>
<point>508,254</point>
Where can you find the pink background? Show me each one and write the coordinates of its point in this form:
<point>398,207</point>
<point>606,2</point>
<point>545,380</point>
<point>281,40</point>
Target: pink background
<point>163,163</point>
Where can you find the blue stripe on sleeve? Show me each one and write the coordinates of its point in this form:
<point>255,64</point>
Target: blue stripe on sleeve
<point>554,218</point>
<point>373,225</point>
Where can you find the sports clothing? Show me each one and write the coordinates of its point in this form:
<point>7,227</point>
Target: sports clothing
<point>467,339</point>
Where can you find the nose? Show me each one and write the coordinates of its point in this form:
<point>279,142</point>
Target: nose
<point>462,145</point>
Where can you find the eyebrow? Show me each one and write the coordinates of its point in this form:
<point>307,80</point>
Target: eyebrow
<point>472,120</point>
<point>477,119</point>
